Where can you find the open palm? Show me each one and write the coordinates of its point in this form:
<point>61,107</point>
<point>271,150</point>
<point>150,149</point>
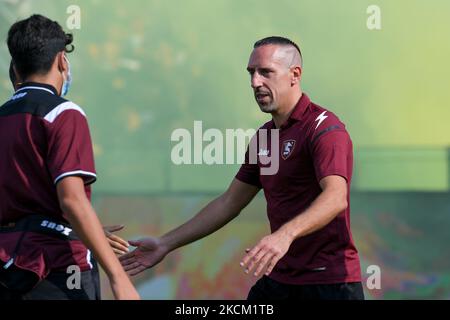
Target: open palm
<point>148,253</point>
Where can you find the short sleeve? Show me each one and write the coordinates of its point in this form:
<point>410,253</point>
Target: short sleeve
<point>249,172</point>
<point>70,151</point>
<point>332,154</point>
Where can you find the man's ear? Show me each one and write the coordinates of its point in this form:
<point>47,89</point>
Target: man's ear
<point>61,61</point>
<point>16,74</point>
<point>296,75</point>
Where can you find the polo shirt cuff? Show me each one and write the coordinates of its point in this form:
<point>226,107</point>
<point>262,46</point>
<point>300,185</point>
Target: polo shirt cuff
<point>332,173</point>
<point>88,177</point>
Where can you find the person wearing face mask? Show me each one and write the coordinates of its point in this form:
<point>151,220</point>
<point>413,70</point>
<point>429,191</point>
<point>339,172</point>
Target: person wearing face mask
<point>48,227</point>
<point>119,245</point>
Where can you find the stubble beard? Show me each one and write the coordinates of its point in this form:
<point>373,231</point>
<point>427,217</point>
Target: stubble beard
<point>268,108</point>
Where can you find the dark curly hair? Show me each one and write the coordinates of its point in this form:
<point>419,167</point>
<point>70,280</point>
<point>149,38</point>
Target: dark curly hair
<point>34,42</point>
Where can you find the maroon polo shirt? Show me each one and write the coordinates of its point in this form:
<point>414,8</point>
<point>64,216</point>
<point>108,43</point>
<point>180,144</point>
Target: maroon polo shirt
<point>313,144</point>
<point>43,139</point>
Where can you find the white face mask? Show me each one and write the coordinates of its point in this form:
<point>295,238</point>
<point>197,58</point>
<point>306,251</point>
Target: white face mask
<point>67,82</point>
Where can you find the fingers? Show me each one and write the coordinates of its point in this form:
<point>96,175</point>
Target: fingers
<point>269,257</point>
<point>131,266</point>
<point>249,256</point>
<point>127,259</point>
<point>135,243</point>
<point>118,252</point>
<point>114,228</point>
<point>118,240</point>
<point>272,264</point>
<point>136,270</point>
<point>254,258</point>
<point>118,247</point>
<point>261,260</point>
<point>264,256</point>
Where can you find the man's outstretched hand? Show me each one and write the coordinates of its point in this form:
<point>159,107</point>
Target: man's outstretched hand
<point>265,255</point>
<point>149,252</point>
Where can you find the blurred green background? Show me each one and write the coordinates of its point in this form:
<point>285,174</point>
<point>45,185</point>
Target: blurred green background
<point>142,69</point>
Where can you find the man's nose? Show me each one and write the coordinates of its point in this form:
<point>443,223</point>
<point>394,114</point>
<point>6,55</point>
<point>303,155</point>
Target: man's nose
<point>256,80</point>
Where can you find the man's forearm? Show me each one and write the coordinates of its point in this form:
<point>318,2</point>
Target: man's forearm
<point>86,224</point>
<point>211,218</point>
<point>321,212</point>
<point>83,219</point>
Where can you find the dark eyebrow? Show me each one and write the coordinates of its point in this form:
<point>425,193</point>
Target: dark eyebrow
<point>265,69</point>
<point>250,69</point>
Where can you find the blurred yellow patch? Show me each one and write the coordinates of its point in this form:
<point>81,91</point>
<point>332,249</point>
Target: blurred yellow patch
<point>118,83</point>
<point>111,50</point>
<point>196,71</point>
<point>164,54</point>
<point>98,150</point>
<point>7,85</point>
<point>93,50</point>
<point>134,121</point>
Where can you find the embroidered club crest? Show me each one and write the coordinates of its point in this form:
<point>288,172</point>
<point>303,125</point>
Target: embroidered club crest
<point>288,146</point>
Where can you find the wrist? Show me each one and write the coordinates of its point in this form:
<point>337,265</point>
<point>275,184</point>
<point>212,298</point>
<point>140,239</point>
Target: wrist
<point>118,277</point>
<point>166,244</point>
<point>287,233</point>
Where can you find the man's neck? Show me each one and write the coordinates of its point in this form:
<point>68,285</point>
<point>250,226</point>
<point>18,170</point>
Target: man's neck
<point>283,114</point>
<point>45,79</point>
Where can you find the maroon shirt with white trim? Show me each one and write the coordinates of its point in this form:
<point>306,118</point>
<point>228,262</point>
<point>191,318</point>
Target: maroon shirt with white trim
<point>43,138</point>
<point>313,144</point>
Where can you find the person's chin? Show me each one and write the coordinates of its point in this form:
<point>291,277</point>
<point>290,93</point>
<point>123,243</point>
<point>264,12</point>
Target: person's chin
<point>266,108</point>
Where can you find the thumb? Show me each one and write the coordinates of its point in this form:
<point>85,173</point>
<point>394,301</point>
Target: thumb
<point>114,228</point>
<point>135,243</point>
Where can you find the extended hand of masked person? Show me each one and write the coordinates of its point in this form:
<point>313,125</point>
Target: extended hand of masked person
<point>119,245</point>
